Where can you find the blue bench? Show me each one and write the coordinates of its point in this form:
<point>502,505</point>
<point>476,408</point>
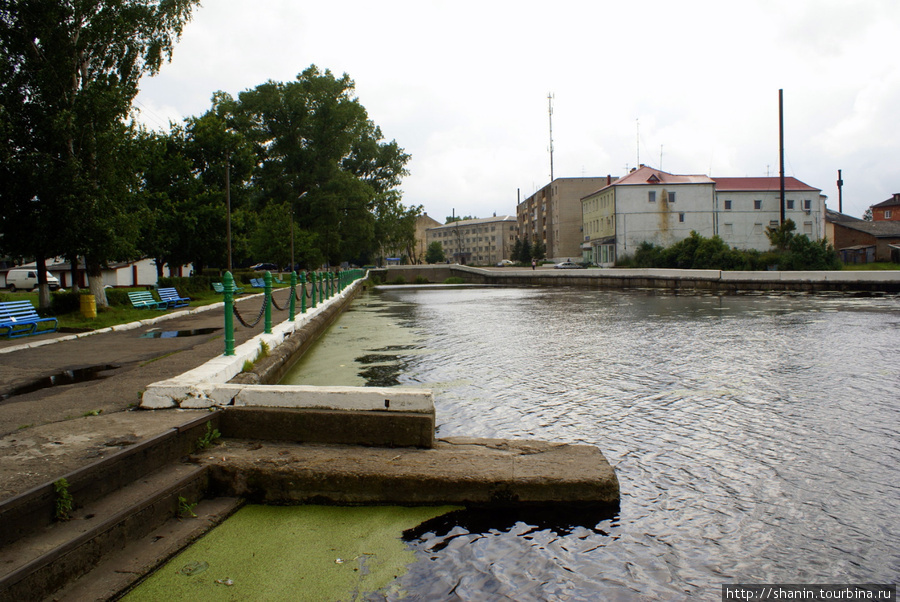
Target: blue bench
<point>172,298</point>
<point>19,319</point>
<point>144,300</point>
<point>258,282</point>
<point>220,288</point>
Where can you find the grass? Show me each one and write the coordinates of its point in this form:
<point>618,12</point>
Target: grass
<point>882,265</point>
<point>111,315</point>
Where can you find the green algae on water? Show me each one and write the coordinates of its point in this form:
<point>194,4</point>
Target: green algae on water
<point>292,553</point>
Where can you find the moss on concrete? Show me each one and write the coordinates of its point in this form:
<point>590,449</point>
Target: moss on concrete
<point>292,553</point>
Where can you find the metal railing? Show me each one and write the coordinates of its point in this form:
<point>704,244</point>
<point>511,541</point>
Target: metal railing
<point>322,286</point>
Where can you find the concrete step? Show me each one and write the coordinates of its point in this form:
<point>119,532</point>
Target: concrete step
<point>124,569</point>
<point>54,555</point>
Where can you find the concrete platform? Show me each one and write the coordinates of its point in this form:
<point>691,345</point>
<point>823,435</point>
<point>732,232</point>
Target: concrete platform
<point>459,471</point>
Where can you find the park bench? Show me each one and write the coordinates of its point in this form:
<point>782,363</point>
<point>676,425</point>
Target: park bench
<point>220,288</point>
<point>172,298</point>
<point>145,300</point>
<point>19,319</point>
<point>258,282</point>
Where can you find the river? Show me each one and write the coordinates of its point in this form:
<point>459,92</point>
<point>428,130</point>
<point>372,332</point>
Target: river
<point>754,436</point>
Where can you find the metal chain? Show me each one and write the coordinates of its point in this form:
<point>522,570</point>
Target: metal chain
<point>275,304</point>
<point>259,316</point>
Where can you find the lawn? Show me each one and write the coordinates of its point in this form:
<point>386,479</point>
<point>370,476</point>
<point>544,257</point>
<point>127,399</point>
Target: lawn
<point>883,265</point>
<point>111,315</point>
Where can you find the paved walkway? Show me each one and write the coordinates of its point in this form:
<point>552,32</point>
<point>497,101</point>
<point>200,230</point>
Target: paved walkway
<point>49,432</point>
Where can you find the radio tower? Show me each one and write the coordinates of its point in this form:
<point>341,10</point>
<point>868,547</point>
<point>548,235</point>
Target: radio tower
<point>550,108</point>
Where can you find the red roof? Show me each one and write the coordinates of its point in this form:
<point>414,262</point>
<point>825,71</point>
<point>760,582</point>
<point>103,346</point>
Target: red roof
<point>648,175</point>
<point>761,185</point>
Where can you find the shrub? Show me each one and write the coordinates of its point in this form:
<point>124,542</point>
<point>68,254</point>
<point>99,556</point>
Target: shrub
<point>421,280</point>
<point>454,280</point>
<point>399,280</point>
<point>186,286</point>
<point>64,302</point>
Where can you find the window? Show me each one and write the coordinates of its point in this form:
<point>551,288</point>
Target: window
<point>757,229</point>
<point>681,217</point>
<point>728,229</point>
<point>807,228</point>
<point>671,197</point>
<point>888,213</point>
<point>807,205</point>
<point>651,196</point>
<point>727,205</point>
<point>757,205</point>
<point>790,203</point>
<point>773,223</point>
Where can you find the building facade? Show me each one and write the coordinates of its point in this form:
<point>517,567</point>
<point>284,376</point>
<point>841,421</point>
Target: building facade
<point>647,205</point>
<point>747,206</point>
<point>554,216</point>
<point>423,223</point>
<point>887,211</point>
<point>650,205</point>
<point>483,241</point>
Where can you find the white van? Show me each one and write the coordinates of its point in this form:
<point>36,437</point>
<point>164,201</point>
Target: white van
<point>26,279</point>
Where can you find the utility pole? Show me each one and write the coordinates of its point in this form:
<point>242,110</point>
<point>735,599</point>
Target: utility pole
<point>781,146</point>
<point>840,185</point>
<point>550,108</point>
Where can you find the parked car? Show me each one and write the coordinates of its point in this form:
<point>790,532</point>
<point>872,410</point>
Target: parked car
<point>504,262</point>
<point>568,265</point>
<point>262,267</point>
<point>26,279</point>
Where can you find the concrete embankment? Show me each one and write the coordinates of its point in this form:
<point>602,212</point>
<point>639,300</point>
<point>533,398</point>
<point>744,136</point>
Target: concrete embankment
<point>717,281</point>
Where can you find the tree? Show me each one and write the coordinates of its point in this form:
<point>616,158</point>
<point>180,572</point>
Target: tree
<point>69,72</point>
<point>867,215</point>
<point>781,236</point>
<point>455,218</point>
<point>312,139</point>
<point>539,250</point>
<point>435,252</point>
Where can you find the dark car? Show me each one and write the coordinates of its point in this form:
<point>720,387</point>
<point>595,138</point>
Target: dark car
<point>262,267</point>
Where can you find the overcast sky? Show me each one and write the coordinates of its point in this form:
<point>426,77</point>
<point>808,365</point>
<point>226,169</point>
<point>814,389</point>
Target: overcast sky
<point>688,87</point>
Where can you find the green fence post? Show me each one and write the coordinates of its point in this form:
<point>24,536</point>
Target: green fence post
<point>228,286</point>
<point>268,301</point>
<point>313,278</point>
<point>293,306</point>
<point>303,293</point>
<point>330,285</point>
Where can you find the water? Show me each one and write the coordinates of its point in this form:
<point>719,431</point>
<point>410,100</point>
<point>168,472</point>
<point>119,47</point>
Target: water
<point>754,437</point>
<point>66,377</point>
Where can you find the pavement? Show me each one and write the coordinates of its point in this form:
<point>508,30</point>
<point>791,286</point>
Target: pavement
<point>51,431</point>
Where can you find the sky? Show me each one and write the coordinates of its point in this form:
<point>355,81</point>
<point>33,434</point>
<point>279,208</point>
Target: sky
<point>687,87</point>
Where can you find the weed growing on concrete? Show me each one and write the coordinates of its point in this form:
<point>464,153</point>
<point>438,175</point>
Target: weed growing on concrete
<point>25,426</point>
<point>185,509</point>
<point>64,502</point>
<point>263,350</point>
<point>91,413</point>
<point>247,367</point>
<point>209,438</point>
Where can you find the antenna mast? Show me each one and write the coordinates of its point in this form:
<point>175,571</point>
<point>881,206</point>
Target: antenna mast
<point>550,109</point>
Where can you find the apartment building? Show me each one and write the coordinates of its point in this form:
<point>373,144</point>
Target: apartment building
<point>483,241</point>
<point>553,215</point>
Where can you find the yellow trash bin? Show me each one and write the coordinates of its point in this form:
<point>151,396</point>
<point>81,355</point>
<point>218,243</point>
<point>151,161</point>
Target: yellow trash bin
<point>88,306</point>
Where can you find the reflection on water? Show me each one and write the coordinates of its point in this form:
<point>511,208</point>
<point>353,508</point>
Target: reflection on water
<point>754,437</point>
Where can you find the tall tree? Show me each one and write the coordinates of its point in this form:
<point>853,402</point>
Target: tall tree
<point>69,71</point>
<point>319,154</point>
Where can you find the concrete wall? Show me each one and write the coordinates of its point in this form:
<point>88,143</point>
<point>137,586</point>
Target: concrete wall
<point>711,280</point>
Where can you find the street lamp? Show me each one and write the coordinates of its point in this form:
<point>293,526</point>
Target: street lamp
<point>292,231</point>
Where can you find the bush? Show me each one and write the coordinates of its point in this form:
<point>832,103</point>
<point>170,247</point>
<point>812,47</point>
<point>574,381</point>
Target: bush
<point>186,286</point>
<point>454,280</point>
<point>64,302</point>
<point>421,280</point>
<point>399,280</point>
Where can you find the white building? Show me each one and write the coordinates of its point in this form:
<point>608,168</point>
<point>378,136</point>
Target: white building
<point>649,205</point>
<point>747,206</point>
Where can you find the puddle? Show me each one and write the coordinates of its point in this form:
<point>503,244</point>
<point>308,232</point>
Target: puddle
<point>176,334</point>
<point>69,377</point>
